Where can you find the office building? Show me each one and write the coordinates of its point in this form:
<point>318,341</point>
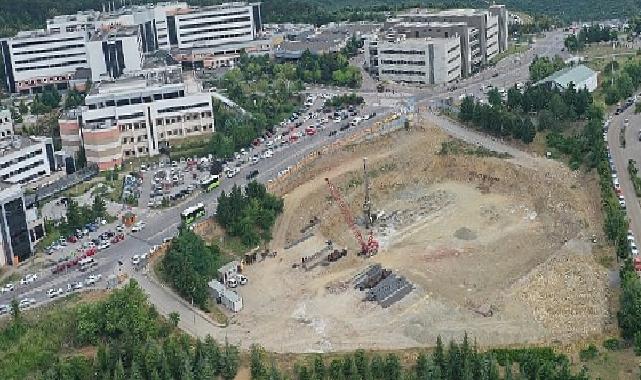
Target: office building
<point>471,56</point>
<point>34,60</point>
<point>15,242</point>
<point>486,22</point>
<point>500,11</point>
<point>137,116</point>
<point>420,61</point>
<point>6,124</point>
<point>114,53</point>
<point>25,159</point>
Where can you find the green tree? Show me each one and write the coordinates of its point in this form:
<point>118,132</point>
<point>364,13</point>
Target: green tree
<point>99,208</point>
<point>119,371</point>
<point>494,97</point>
<point>174,318</point>
<point>629,314</point>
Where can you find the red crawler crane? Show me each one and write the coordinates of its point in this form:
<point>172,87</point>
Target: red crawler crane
<point>369,247</point>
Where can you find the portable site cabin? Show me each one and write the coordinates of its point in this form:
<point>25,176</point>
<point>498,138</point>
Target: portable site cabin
<point>230,299</point>
<point>229,270</point>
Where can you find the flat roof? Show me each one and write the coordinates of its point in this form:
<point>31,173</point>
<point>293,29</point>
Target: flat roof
<point>17,142</point>
<point>120,31</point>
<point>574,74</point>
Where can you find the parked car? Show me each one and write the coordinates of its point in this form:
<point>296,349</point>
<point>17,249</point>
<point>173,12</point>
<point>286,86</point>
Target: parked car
<point>7,288</point>
<point>93,279</point>
<point>28,279</point>
<point>53,293</point>
<point>242,279</point>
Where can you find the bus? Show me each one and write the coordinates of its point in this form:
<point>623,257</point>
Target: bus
<point>210,183</point>
<point>191,214</point>
<point>86,263</point>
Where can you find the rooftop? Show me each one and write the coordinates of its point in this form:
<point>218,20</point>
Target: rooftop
<point>574,74</point>
<point>153,77</point>
<point>120,31</point>
<point>18,142</point>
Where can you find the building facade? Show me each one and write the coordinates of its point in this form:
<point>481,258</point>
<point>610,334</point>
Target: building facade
<point>471,56</point>
<point>25,160</point>
<point>15,242</point>
<point>420,61</point>
<point>114,53</point>
<point>484,21</point>
<point>137,116</point>
<point>36,59</point>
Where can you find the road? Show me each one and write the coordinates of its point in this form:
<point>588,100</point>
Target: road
<point>620,156</point>
<point>161,224</point>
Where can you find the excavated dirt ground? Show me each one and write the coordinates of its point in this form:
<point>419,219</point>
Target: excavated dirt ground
<point>493,248</point>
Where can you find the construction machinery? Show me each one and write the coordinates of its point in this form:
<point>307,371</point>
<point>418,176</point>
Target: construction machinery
<point>369,247</point>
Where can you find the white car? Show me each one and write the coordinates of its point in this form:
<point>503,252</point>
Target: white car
<point>135,260</point>
<point>104,245</point>
<point>630,236</point>
<point>242,279</point>
<point>53,293</point>
<point>622,201</point>
<point>137,227</point>
<point>93,279</point>
<point>28,279</point>
<point>634,249</point>
<point>7,288</point>
<point>26,302</point>
<point>232,283</point>
<point>4,309</point>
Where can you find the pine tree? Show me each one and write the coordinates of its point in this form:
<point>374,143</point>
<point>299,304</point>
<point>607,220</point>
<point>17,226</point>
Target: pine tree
<point>422,367</point>
<point>320,373</point>
<point>119,371</point>
<point>230,362</point>
<point>134,371</point>
<point>439,355</point>
<point>378,367</point>
<point>257,369</point>
<point>508,371</point>
<point>349,368</point>
<point>493,370</point>
<point>362,365</point>
<point>336,370</point>
<point>393,369</point>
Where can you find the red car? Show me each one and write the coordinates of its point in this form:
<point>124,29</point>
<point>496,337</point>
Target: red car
<point>72,239</point>
<point>89,252</point>
<point>310,131</point>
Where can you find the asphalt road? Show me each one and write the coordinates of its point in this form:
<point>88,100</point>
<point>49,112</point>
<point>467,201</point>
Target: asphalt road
<point>620,156</point>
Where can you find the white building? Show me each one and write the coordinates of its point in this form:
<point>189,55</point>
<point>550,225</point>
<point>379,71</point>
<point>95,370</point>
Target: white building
<point>418,61</point>
<point>36,59</point>
<point>137,116</point>
<point>114,53</point>
<point>226,297</point>
<point>6,124</point>
<point>24,160</point>
<point>471,56</point>
<point>581,76</point>
<point>486,21</point>
<point>214,26</point>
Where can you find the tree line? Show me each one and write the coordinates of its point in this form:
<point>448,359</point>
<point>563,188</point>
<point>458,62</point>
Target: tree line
<point>189,265</point>
<point>454,361</point>
<point>78,216</point>
<point>588,35</point>
<point>344,100</point>
<point>621,83</point>
<point>523,112</point>
<point>248,213</point>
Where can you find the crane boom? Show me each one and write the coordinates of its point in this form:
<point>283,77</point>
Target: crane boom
<point>368,247</point>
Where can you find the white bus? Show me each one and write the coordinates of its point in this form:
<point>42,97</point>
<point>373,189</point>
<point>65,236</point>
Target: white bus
<point>191,214</point>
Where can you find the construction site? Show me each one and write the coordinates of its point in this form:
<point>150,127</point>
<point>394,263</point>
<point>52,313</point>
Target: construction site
<point>385,243</point>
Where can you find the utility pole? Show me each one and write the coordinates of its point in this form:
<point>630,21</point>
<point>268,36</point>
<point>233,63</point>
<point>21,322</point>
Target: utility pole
<point>367,203</point>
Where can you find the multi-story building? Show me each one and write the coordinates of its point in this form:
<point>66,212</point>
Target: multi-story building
<point>471,57</point>
<point>24,160</point>
<point>485,21</point>
<point>137,116</point>
<point>114,53</point>
<point>6,124</point>
<point>415,60</point>
<point>15,242</point>
<point>214,26</point>
<point>37,59</point>
<point>500,11</point>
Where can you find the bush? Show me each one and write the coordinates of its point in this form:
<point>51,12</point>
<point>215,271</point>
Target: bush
<point>589,353</point>
<point>611,344</point>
